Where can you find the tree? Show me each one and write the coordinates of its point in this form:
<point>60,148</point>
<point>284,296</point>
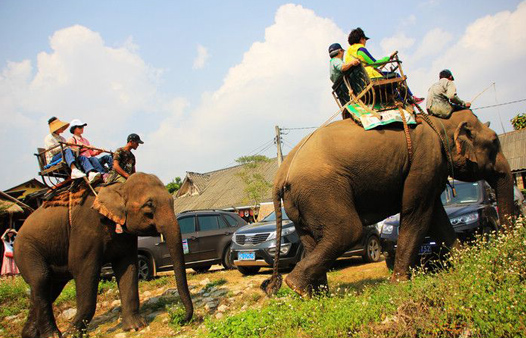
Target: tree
<point>519,121</point>
<point>256,187</point>
<point>174,185</point>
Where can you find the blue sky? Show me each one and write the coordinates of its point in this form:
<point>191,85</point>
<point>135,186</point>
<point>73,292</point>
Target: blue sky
<point>204,83</point>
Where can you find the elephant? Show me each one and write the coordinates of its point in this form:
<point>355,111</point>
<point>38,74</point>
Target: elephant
<point>343,177</point>
<point>59,243</point>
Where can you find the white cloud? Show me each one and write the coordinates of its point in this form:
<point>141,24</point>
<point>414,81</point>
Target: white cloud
<point>399,42</point>
<point>433,43</point>
<point>202,57</point>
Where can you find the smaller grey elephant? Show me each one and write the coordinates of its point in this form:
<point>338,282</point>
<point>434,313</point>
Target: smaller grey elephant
<point>58,243</point>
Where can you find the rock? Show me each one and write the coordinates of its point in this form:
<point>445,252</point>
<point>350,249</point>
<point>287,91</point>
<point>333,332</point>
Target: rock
<point>115,310</point>
<point>219,315</point>
<point>219,293</point>
<point>115,303</point>
<point>244,307</point>
<point>146,293</point>
<point>69,313</point>
<point>152,301</point>
<point>120,335</point>
<point>204,282</point>
<point>206,294</point>
<point>10,318</point>
<point>212,305</point>
<point>152,316</point>
<point>171,292</point>
<point>191,287</point>
<point>222,308</point>
<point>105,303</point>
<point>237,292</point>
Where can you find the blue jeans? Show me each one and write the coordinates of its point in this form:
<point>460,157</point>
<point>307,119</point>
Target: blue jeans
<point>106,160</point>
<point>70,158</point>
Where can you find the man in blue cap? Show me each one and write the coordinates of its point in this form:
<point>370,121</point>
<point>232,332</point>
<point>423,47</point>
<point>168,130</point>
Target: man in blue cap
<point>337,66</point>
<point>442,98</point>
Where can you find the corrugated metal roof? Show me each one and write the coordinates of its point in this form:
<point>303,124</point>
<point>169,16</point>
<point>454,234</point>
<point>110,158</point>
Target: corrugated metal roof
<point>514,148</point>
<point>222,188</point>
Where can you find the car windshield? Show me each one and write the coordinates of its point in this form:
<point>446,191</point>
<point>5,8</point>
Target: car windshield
<point>466,193</point>
<point>272,216</point>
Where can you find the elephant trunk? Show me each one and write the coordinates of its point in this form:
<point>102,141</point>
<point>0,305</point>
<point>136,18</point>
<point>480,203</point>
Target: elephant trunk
<point>503,186</point>
<point>174,242</point>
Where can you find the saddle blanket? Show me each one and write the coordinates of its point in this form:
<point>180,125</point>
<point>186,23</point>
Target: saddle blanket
<point>369,121</point>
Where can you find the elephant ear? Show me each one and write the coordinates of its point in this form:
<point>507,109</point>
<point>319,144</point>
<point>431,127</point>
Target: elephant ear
<point>464,142</point>
<point>110,203</point>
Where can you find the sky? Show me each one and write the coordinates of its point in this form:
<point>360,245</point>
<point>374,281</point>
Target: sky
<point>204,83</point>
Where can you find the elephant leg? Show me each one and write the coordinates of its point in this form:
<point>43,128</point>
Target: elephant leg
<point>340,230</point>
<point>86,283</point>
<point>309,243</point>
<point>40,321</point>
<point>418,209</point>
<point>441,229</point>
<point>127,278</point>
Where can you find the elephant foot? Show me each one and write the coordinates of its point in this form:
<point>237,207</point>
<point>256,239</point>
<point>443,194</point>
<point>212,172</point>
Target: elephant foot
<point>399,277</point>
<point>303,291</point>
<point>133,322</point>
<point>272,285</point>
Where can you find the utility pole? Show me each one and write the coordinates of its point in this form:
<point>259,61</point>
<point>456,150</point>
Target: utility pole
<point>278,144</point>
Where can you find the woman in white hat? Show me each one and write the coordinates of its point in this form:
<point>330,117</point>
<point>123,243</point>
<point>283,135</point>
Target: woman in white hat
<point>9,267</point>
<point>51,142</point>
<point>91,164</point>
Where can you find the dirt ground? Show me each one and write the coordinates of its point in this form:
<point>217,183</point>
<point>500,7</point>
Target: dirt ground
<point>215,294</point>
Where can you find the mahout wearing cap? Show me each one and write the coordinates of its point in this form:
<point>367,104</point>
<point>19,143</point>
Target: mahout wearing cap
<point>134,138</point>
<point>356,35</point>
<point>446,73</point>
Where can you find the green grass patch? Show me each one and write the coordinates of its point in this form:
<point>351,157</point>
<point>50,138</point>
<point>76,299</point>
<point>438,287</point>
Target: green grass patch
<point>14,296</point>
<point>482,294</point>
<point>213,284</point>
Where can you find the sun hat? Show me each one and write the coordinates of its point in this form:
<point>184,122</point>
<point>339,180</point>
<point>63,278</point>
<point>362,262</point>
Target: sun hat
<point>55,125</point>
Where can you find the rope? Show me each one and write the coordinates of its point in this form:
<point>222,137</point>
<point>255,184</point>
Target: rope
<point>498,105</point>
<point>70,212</point>
<point>407,136</point>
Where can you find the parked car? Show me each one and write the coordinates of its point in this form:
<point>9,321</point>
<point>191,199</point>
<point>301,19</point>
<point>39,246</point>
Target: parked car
<point>207,236</point>
<point>254,245</point>
<point>472,210</point>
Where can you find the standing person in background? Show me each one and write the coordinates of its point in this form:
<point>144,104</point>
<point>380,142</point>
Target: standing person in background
<point>442,98</point>
<point>9,267</point>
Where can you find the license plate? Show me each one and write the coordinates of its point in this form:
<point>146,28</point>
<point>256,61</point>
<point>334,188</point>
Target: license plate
<point>246,256</point>
<point>425,249</point>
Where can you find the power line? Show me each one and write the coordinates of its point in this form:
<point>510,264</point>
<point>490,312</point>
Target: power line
<point>500,104</point>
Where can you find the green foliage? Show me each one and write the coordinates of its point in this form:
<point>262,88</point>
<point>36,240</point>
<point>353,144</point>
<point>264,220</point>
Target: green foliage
<point>482,294</point>
<point>14,296</point>
<point>519,122</point>
<point>256,186</point>
<point>175,185</point>
<point>213,284</point>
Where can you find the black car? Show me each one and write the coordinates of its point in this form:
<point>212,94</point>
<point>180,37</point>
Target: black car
<point>207,235</point>
<point>254,245</point>
<point>471,211</point>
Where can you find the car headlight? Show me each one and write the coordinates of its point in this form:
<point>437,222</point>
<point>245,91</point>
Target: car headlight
<point>387,229</point>
<point>465,219</point>
<point>284,232</point>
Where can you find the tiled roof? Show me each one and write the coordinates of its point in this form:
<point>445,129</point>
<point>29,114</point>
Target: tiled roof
<point>222,188</point>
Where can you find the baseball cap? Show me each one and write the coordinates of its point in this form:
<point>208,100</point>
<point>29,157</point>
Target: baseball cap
<point>334,47</point>
<point>446,73</point>
<point>76,123</point>
<point>134,138</point>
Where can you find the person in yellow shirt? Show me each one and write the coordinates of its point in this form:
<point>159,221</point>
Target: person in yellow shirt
<point>357,41</point>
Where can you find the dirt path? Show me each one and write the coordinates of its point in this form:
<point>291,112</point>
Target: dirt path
<point>216,294</point>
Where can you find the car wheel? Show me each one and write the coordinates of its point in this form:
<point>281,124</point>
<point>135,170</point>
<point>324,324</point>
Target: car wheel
<point>249,270</point>
<point>373,250</point>
<point>144,267</point>
<point>202,269</point>
<point>227,258</point>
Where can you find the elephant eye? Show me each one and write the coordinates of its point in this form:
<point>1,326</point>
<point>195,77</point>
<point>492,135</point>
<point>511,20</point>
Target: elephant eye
<point>148,204</point>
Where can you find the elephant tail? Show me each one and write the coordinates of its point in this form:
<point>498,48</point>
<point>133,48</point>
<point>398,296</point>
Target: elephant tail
<point>273,284</point>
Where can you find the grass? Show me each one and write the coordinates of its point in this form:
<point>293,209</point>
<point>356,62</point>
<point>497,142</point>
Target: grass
<point>482,294</point>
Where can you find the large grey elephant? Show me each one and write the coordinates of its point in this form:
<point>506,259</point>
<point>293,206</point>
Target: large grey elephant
<point>55,245</point>
<point>342,177</point>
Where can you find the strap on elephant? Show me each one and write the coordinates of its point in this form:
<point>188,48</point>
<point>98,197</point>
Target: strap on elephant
<point>443,141</point>
<point>407,135</point>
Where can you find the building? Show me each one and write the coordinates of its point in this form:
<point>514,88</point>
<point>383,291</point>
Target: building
<point>224,189</point>
<point>514,148</point>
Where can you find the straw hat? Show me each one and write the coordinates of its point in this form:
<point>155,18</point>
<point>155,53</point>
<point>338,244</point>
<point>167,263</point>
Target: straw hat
<point>56,124</point>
